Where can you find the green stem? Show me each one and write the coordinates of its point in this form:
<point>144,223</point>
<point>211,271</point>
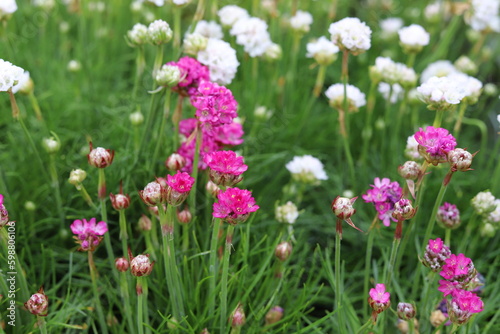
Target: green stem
<point>140,64</point>
<point>368,128</point>
<point>368,260</point>
<point>454,329</point>
<point>140,307</point>
<point>33,146</point>
<point>338,283</point>
<point>177,27</point>
<point>159,139</point>
<point>124,289</point>
<point>438,119</point>
<point>345,81</point>
<point>86,196</point>
<point>123,231</point>
<point>200,11</point>
<point>293,65</point>
<point>104,215</point>
<point>225,273</point>
<point>35,105</point>
<point>347,148</point>
<point>194,173</point>
<point>411,60</point>
<point>97,300</point>
<point>145,304</point>
<point>41,324</point>
<point>447,238</point>
<point>390,267</point>
<point>411,326</point>
<point>320,79</point>
<point>157,63</point>
<point>56,186</point>
<point>213,263</point>
<point>367,325</point>
<point>185,236</point>
<point>432,217</point>
<point>458,123</point>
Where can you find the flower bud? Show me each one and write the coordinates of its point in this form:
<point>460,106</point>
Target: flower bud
<point>342,207</point>
<point>490,89</point>
<point>436,253</point>
<point>38,304</point>
<point>410,170</point>
<point>100,157</point>
<point>238,318</point>
<point>74,66</point>
<point>488,230</point>
<point>184,216</point>
<point>136,118</point>
<point>145,223</point>
<point>29,206</point>
<point>77,176</point>
<point>262,113</point>
<point>4,215</point>
<point>466,65</point>
<point>273,52</point>
<point>168,75</point>
<point>159,32</point>
<point>175,162</point>
<point>460,160</point>
<point>406,311</point>
<point>194,43</point>
<point>173,324</point>
<point>119,201</point>
<point>274,315</point>
<point>140,265</point>
<point>403,210</point>
<point>51,145</point>
<point>121,264</point>
<point>287,213</point>
<point>212,188</point>
<point>404,327</point>
<point>283,251</point>
<point>153,194</point>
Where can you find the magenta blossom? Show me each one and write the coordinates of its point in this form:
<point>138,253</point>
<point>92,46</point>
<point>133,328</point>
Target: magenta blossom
<point>88,233</point>
<point>448,215</point>
<point>234,205</point>
<point>214,104</point>
<point>4,214</point>
<point>192,73</point>
<point>384,194</point>
<point>225,167</point>
<point>435,255</point>
<point>463,305</point>
<point>178,187</point>
<point>379,300</point>
<point>448,287</point>
<point>434,144</point>
<point>458,268</point>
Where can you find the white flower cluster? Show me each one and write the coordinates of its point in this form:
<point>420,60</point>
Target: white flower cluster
<point>390,27</point>
<point>351,34</point>
<point>180,2</point>
<point>24,84</point>
<point>168,75</point>
<point>287,213</point>
<point>484,202</point>
<point>437,11</point>
<point>44,4</point>
<point>10,75</point>
<point>441,93</point>
<point>159,32</point>
<point>209,29</point>
<point>355,98</point>
<point>138,35</point>
<point>386,70</point>
<point>301,22</point>
<point>221,60</point>
<point>440,68</point>
<point>483,15</point>
<point>322,50</point>
<point>7,7</point>
<point>411,150</point>
<point>307,169</point>
<point>471,85</point>
<point>395,94</point>
<point>252,34</point>
<point>230,14</point>
<point>413,38</point>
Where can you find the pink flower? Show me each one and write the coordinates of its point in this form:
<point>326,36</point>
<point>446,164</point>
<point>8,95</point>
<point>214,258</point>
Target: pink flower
<point>463,305</point>
<point>234,205</point>
<point>384,194</point>
<point>192,73</point>
<point>435,255</point>
<point>436,245</point>
<point>225,167</point>
<point>38,304</point>
<point>379,295</point>
<point>448,215</point>
<point>179,186</point>
<point>88,233</point>
<point>214,104</point>
<point>229,134</point>
<point>434,144</point>
<point>4,214</point>
<point>447,287</point>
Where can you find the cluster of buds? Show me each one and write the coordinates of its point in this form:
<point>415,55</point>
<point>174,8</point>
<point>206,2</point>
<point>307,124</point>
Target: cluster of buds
<point>435,255</point>
<point>38,304</point>
<point>173,191</point>
<point>343,210</point>
<point>379,300</point>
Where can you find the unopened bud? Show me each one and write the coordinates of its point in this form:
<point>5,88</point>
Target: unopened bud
<point>175,162</point>
<point>283,251</point>
<point>77,176</point>
<point>274,315</point>
<point>410,170</point>
<point>74,66</point>
<point>238,318</point>
<point>159,32</point>
<point>403,210</point>
<point>141,265</point>
<point>212,188</point>
<point>144,223</point>
<point>460,160</point>
<point>342,207</point>
<point>30,206</point>
<point>119,201</point>
<point>38,304</point>
<point>488,230</point>
<point>136,118</point>
<point>184,216</point>
<point>168,75</point>
<point>121,264</point>
<point>406,311</point>
<point>173,324</point>
<point>51,145</point>
<point>100,157</point>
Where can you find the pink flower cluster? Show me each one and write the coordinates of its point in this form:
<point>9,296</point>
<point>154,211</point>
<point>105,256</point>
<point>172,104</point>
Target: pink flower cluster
<point>215,105</point>
<point>88,233</point>
<point>379,300</point>
<point>192,74</point>
<point>234,205</point>
<point>435,254</point>
<point>448,215</point>
<point>225,167</point>
<point>174,190</point>
<point>4,214</point>
<point>434,144</point>
<point>212,139</point>
<point>384,194</point>
<point>459,272</point>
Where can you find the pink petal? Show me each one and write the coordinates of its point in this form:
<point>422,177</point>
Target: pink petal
<point>101,228</point>
<point>78,227</point>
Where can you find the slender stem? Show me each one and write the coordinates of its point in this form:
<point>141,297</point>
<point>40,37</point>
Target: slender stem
<point>432,217</point>
<point>320,79</point>
<point>225,273</point>
<point>292,69</point>
<point>33,146</point>
<point>97,300</point>
<point>367,325</point>
<point>140,63</point>
<point>368,260</point>
<point>13,105</point>
<point>411,59</point>
<point>390,267</point>
<point>41,324</point>
<point>458,123</point>
<point>194,173</point>
<point>157,63</point>
<point>145,304</point>
<point>338,283</point>
<point>86,196</point>
<point>200,10</point>
<point>213,263</point>
<point>140,308</point>
<point>104,215</point>
<point>345,80</point>
<point>411,326</point>
<point>35,105</point>
<point>56,186</point>
<point>368,128</point>
<point>447,238</point>
<point>123,231</point>
<point>438,119</point>
<point>161,132</point>
<point>177,27</point>
<point>185,236</point>
<point>124,289</point>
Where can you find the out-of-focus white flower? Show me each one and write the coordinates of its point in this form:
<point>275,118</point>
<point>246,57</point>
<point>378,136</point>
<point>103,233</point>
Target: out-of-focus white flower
<point>180,2</point>
<point>136,118</point>
<point>159,32</point>
<point>209,29</point>
<point>252,34</point>
<point>494,216</point>
<point>483,15</point>
<point>355,98</point>
<point>386,70</point>
<point>350,34</point>
<point>262,112</point>
<point>10,75</point>
<point>24,84</point>
<point>483,202</point>
<point>470,85</point>
<point>441,93</point>
<point>390,27</point>
<point>136,6</point>
<point>490,89</point>
<point>306,169</point>
<point>322,50</point>
<point>221,60</point>
<point>157,3</point>
<point>138,35</point>
<point>466,65</point>
<point>7,7</point>
<point>168,75</point>
<point>44,4</point>
<point>396,94</point>
<point>287,213</point>
<point>411,150</point>
<point>301,22</point>
<point>230,14</point>
<point>98,6</point>
<point>273,52</point>
<point>74,65</point>
<point>440,68</point>
<point>437,11</point>
<point>194,43</point>
<point>413,38</point>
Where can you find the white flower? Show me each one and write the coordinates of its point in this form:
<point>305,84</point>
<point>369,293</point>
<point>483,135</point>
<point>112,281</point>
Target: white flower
<point>385,69</point>
<point>7,7</point>
<point>168,75</point>
<point>230,14</point>
<point>483,15</point>
<point>136,118</point>
<point>273,52</point>
<point>209,29</point>
<point>440,68</point>
<point>351,34</point>
<point>355,98</point>
<point>413,38</point>
<point>437,11</point>
<point>411,150</point>
<point>441,92</point>
<point>287,213</point>
<point>74,66</point>
<point>159,32</point>
<point>301,21</point>
<point>23,83</point>
<point>322,50</point>
<point>44,4</point>
<point>307,169</point>
<point>194,43</point>
<point>157,3</point>
<point>252,34</point>
<point>10,75</point>
<point>221,60</point>
<point>138,35</point>
<point>494,216</point>
<point>180,2</point>
<point>483,202</point>
<point>498,119</point>
<point>471,85</point>
<point>396,94</point>
<point>390,26</point>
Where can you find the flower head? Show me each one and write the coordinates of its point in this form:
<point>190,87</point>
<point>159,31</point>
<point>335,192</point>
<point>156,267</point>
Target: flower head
<point>100,157</point>
<point>355,98</point>
<point>168,76</point>
<point>410,170</point>
<point>406,311</point>
<point>120,201</point>
<point>252,34</point>
<point>140,265</point>
<point>283,251</point>
<point>463,305</point>
<point>350,34</point>
<point>306,169</point>
<point>225,167</point>
<point>434,144</point>
<point>221,60</point>
<point>10,74</point>
<point>238,318</point>
<point>234,205</point>
<point>484,203</point>
<point>209,29</point>
<point>448,215</point>
<point>413,38</point>
<point>343,209</point>
<point>287,213</point>
<point>179,186</point>
<point>379,300</point>
<point>441,93</point>
<point>460,160</point>
<point>175,162</point>
<point>384,194</point>
<point>390,27</point>
<point>153,194</point>
<point>192,73</point>
<point>301,22</point>
<point>322,50</point>
<point>215,105</point>
<point>4,214</point>
<point>122,264</point>
<point>230,14</point>
<point>435,255</point>
<point>88,233</point>
<point>159,32</point>
<point>403,210</point>
<point>38,304</point>
<point>138,35</point>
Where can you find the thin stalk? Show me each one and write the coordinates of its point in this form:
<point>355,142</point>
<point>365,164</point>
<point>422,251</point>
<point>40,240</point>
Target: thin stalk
<point>432,217</point>
<point>176,118</point>
<point>157,63</point>
<point>194,173</point>
<point>124,289</point>
<point>140,308</point>
<point>41,324</point>
<point>86,196</point>
<point>320,79</point>
<point>458,122</point>
<point>56,186</point>
<point>140,64</point>
<point>97,300</point>
<point>177,27</point>
<point>225,273</point>
<point>367,325</point>
<point>200,11</point>
<point>345,81</point>
<point>390,267</point>
<point>123,231</point>
<point>292,69</point>
<point>411,326</point>
<point>213,264</point>
<point>447,238</point>
<point>368,260</point>
<point>411,60</point>
<point>33,146</point>
<point>438,119</point>
<point>145,304</point>
<point>35,105</point>
<point>161,132</point>
<point>13,104</point>
<point>185,236</point>
<point>368,128</point>
<point>399,118</point>
<point>104,215</point>
<point>338,283</point>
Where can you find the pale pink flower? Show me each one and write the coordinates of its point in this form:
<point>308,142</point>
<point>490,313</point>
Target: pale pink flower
<point>88,233</point>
